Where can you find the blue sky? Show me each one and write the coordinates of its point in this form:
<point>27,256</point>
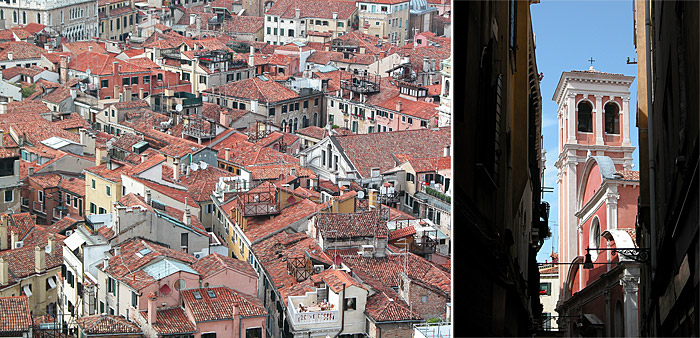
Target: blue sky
<point>567,34</point>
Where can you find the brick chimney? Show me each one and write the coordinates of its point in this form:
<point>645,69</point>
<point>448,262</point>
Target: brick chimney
<point>63,69</point>
<point>115,68</point>
<point>39,259</point>
<point>398,105</point>
<point>4,271</point>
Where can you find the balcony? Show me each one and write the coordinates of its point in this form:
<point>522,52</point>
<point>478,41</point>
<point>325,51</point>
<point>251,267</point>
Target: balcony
<point>38,207</point>
<point>307,310</point>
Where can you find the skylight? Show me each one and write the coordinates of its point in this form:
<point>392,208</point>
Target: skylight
<point>197,295</point>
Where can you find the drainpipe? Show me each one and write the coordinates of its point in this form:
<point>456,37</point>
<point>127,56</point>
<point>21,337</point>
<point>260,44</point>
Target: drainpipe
<point>650,131</point>
<point>342,313</point>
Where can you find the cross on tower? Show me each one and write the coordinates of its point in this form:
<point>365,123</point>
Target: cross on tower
<point>591,61</point>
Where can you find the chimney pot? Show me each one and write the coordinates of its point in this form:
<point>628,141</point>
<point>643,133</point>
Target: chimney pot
<point>227,153</point>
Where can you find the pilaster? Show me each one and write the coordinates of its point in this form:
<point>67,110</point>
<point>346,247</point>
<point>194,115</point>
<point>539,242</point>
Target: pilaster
<point>598,117</point>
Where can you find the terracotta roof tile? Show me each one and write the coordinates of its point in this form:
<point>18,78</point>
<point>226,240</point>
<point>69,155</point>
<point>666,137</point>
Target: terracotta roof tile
<point>107,324</point>
<point>220,307</point>
<point>171,321</point>
<point>403,232</point>
<point>367,151</point>
<point>350,225</point>
<point>212,264</point>
<point>322,9</point>
<point>259,229</point>
<point>15,315</point>
<point>255,89</point>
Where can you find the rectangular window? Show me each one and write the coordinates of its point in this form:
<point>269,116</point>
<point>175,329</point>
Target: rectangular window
<point>147,79</point>
<point>102,307</point>
<point>350,304</point>
<point>134,299</point>
<point>296,106</point>
<point>108,190</point>
<point>323,157</point>
<point>183,239</point>
<point>316,102</point>
<point>93,208</point>
<point>104,83</point>
<point>9,195</point>
<point>68,199</point>
<point>545,289</point>
<point>41,196</point>
<point>135,80</point>
<point>126,81</point>
<point>111,285</point>
<point>271,112</point>
<point>306,104</point>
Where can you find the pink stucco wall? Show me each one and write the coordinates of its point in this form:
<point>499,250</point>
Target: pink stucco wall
<point>173,298</point>
<point>234,280</point>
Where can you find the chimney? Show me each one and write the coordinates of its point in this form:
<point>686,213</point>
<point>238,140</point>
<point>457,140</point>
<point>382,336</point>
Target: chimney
<point>297,14</point>
<point>446,151</point>
<point>152,308</point>
<point>99,154</point>
<point>335,15</point>
<point>144,157</point>
<point>105,263</point>
<point>176,170</point>
<point>227,153</point>
<point>398,105</point>
<point>426,65</point>
<point>52,244</point>
<point>117,91</point>
<point>13,238</point>
<point>4,223</point>
<point>193,18</point>
<point>9,56</point>
<point>3,107</point>
<point>63,69</point>
<point>89,48</point>
<point>4,271</point>
<point>82,132</point>
<point>39,259</point>
<point>115,68</point>
<point>141,93</point>
<point>187,217</point>
<point>148,196</point>
<point>236,318</point>
<point>2,134</point>
<point>251,59</point>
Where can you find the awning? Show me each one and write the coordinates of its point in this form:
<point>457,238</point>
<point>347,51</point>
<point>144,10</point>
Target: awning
<point>52,282</point>
<point>75,240</point>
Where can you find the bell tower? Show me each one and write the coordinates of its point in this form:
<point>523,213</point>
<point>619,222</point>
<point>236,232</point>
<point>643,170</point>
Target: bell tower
<point>594,120</point>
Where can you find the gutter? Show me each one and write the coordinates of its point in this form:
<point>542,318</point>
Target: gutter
<point>342,313</point>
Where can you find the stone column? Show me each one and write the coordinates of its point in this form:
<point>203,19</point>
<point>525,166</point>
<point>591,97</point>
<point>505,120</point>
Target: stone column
<point>572,118</point>
<point>598,117</point>
<point>630,289</point>
<point>625,121</point>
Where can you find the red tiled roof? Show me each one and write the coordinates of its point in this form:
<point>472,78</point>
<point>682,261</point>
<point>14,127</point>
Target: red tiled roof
<point>80,47</point>
<point>403,232</point>
<point>387,270</point>
<point>273,251</point>
<point>171,321</point>
<point>126,267</point>
<point>629,175</point>
<point>72,122</point>
<point>259,229</point>
<point>114,174</point>
<point>32,27</point>
<point>212,264</point>
<point>350,225</point>
<point>255,89</point>
<point>20,50</point>
<point>21,260</point>
<point>15,315</point>
<point>322,9</point>
<point>220,307</point>
<point>386,306</point>
<point>107,324</point>
<point>243,24</point>
<point>367,151</point>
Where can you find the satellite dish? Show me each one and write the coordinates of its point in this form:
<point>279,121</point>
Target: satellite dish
<point>178,107</point>
<point>360,194</point>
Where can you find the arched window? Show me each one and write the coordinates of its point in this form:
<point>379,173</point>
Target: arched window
<point>585,117</point>
<point>612,119</point>
<point>594,238</point>
<point>294,127</point>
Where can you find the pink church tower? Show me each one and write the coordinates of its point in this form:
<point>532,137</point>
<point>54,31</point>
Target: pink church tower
<point>594,120</point>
